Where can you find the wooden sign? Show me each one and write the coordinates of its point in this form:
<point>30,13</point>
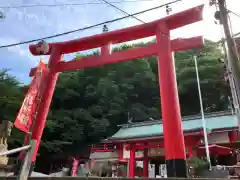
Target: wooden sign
<point>152,152</point>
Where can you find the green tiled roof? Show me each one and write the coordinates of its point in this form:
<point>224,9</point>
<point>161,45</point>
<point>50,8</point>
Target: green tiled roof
<point>155,128</point>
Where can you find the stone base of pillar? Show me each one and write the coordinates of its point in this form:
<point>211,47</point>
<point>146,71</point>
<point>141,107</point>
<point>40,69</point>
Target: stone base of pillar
<point>176,168</point>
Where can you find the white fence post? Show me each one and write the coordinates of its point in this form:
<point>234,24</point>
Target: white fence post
<point>27,161</point>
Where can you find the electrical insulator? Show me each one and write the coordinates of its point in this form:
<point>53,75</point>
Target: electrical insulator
<point>105,28</point>
<point>226,77</point>
<point>225,69</point>
<point>212,2</point>
<point>218,17</point>
<point>168,9</point>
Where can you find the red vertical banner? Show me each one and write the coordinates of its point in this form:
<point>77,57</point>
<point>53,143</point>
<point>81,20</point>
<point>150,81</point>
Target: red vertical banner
<point>35,90</point>
<point>26,113</point>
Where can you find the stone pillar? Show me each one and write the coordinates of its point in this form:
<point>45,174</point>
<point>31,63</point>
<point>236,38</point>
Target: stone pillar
<point>5,132</point>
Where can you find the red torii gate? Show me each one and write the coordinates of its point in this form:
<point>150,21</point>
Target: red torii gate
<point>172,126</point>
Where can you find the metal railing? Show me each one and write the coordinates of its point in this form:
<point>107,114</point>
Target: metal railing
<point>12,151</point>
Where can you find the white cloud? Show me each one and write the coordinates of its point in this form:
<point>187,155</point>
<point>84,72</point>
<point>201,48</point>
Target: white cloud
<point>21,50</point>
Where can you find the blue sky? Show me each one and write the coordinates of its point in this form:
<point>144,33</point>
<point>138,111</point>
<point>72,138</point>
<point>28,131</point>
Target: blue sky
<point>23,24</point>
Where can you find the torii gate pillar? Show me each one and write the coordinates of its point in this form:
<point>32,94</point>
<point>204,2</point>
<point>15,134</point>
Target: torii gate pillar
<point>174,147</point>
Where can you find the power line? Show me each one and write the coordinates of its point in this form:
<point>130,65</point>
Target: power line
<point>236,14</point>
<point>128,14</point>
<point>88,27</point>
<point>71,4</point>
<point>110,4</point>
<point>223,40</point>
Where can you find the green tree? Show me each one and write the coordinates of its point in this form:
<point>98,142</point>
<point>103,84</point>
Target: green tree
<point>11,96</point>
<point>215,90</point>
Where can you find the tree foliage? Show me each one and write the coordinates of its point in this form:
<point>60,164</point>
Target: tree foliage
<point>88,104</point>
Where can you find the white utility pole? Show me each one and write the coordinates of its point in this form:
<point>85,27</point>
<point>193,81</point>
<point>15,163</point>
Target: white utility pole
<point>202,114</point>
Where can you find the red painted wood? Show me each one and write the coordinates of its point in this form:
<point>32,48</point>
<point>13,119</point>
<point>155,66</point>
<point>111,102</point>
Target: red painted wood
<point>232,136</point>
<point>215,150</point>
<point>132,163</point>
<point>127,34</point>
<point>145,163</point>
<point>120,151</point>
<point>174,145</point>
<point>106,50</point>
<point>102,150</point>
<point>144,146</point>
<point>190,151</point>
<point>170,105</point>
<point>51,81</point>
<point>131,54</point>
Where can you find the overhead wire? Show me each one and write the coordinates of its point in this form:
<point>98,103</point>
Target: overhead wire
<point>236,14</point>
<point>133,16</point>
<point>223,39</point>
<point>110,4</point>
<point>231,31</point>
<point>89,27</point>
<point>70,4</point>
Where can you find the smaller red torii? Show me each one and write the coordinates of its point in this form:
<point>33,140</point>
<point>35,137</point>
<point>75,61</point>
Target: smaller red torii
<point>173,136</point>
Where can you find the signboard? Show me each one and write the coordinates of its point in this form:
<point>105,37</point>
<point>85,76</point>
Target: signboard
<point>25,115</point>
<point>152,152</point>
<point>216,138</point>
<point>126,152</point>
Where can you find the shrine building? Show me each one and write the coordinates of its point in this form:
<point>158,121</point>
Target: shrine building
<point>142,144</point>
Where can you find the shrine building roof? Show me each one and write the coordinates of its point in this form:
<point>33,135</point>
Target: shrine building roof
<point>214,122</point>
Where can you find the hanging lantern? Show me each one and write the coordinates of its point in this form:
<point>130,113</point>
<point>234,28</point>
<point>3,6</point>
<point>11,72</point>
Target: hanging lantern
<point>168,9</point>
<point>2,16</point>
<point>105,28</point>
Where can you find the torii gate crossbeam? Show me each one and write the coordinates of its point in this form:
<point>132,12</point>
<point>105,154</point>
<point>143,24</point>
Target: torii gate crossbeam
<point>171,116</point>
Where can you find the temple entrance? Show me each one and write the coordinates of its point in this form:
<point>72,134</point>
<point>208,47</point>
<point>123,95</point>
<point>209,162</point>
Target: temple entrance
<point>174,145</point>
